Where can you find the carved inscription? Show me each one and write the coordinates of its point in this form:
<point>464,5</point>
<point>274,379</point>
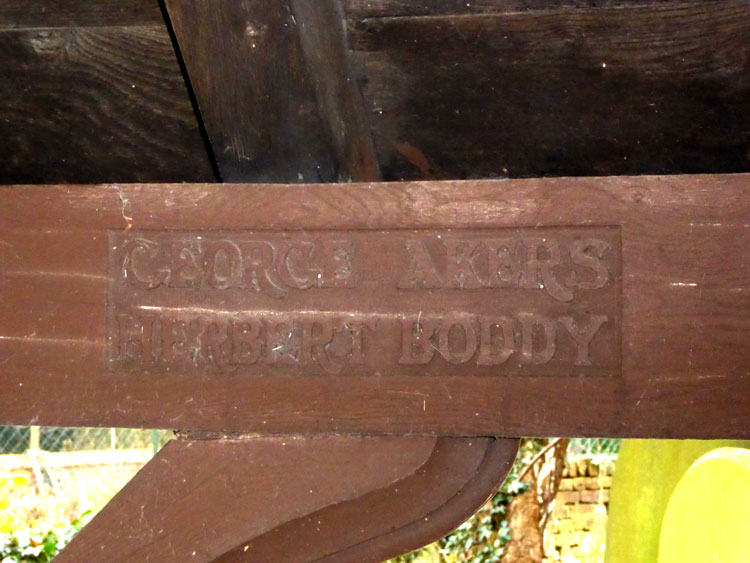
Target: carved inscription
<point>503,302</point>
<point>258,265</point>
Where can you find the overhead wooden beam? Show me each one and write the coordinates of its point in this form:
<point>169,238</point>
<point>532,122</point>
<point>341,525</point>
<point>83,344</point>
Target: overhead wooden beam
<point>368,308</point>
<point>275,89</point>
<point>78,13</point>
<point>566,88</point>
<point>324,44</point>
<point>92,92</point>
<point>405,8</point>
<point>246,67</point>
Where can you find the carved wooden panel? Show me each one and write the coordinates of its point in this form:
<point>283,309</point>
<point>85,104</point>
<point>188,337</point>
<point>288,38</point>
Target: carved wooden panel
<point>592,306</point>
<point>492,302</point>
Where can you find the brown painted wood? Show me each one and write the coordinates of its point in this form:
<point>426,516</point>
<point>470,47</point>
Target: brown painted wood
<point>375,524</point>
<point>684,366</point>
<point>95,104</point>
<point>248,72</point>
<point>78,13</point>
<point>419,509</point>
<point>340,499</point>
<point>324,44</point>
<point>658,87</point>
<point>64,324</point>
<point>374,306</point>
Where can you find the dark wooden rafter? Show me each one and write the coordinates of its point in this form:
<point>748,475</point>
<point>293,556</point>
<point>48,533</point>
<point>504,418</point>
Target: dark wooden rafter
<point>568,88</point>
<point>273,86</point>
<point>358,9</point>
<point>92,92</point>
<point>672,101</point>
<point>39,14</point>
<point>322,32</point>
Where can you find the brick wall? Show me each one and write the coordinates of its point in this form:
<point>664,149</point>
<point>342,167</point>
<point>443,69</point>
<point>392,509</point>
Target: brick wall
<point>577,527</point>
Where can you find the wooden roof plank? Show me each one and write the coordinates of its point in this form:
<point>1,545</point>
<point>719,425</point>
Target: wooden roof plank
<point>96,104</point>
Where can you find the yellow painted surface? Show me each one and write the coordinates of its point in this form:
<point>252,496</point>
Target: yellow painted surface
<point>708,516</point>
<point>646,473</point>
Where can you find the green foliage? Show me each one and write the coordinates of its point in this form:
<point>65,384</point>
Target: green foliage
<point>595,449</point>
<point>646,473</point>
<point>478,540</point>
<point>482,538</point>
<point>31,547</point>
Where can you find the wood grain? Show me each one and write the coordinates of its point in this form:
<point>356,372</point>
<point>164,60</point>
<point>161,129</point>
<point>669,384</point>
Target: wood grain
<point>78,13</point>
<point>656,88</point>
<point>357,9</point>
<point>324,44</point>
<point>96,104</point>
<point>248,73</point>
<point>340,498</point>
<point>684,308</point>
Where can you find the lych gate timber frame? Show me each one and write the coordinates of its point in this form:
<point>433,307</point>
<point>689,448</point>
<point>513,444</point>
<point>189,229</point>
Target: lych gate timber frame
<point>347,363</point>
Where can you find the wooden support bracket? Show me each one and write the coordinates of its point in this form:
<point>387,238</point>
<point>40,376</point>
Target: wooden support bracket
<point>296,498</point>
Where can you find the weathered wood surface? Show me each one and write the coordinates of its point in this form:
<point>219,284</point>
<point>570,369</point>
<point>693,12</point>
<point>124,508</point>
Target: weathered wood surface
<point>396,8</point>
<point>78,13</point>
<point>374,523</point>
<point>658,87</point>
<point>685,300</point>
<point>340,499</point>
<point>450,90</point>
<point>681,359</point>
<point>255,96</point>
<point>324,44</point>
<point>93,93</point>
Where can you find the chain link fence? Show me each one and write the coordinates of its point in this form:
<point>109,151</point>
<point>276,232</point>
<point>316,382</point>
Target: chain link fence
<point>594,448</point>
<point>52,476</point>
<point>20,439</point>
<point>55,475</point>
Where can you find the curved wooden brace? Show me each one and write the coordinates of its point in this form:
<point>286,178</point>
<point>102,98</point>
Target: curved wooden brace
<point>295,499</point>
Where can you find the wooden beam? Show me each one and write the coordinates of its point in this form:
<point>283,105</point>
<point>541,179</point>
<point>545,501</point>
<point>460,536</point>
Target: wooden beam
<point>357,9</point>
<point>95,104</point>
<point>323,39</point>
<point>78,13</point>
<point>339,498</point>
<point>675,365</point>
<point>247,70</point>
<point>567,90</point>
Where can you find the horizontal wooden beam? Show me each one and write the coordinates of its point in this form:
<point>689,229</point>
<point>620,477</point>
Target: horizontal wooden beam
<point>567,88</point>
<point>571,306</point>
<point>53,13</point>
<point>406,8</point>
